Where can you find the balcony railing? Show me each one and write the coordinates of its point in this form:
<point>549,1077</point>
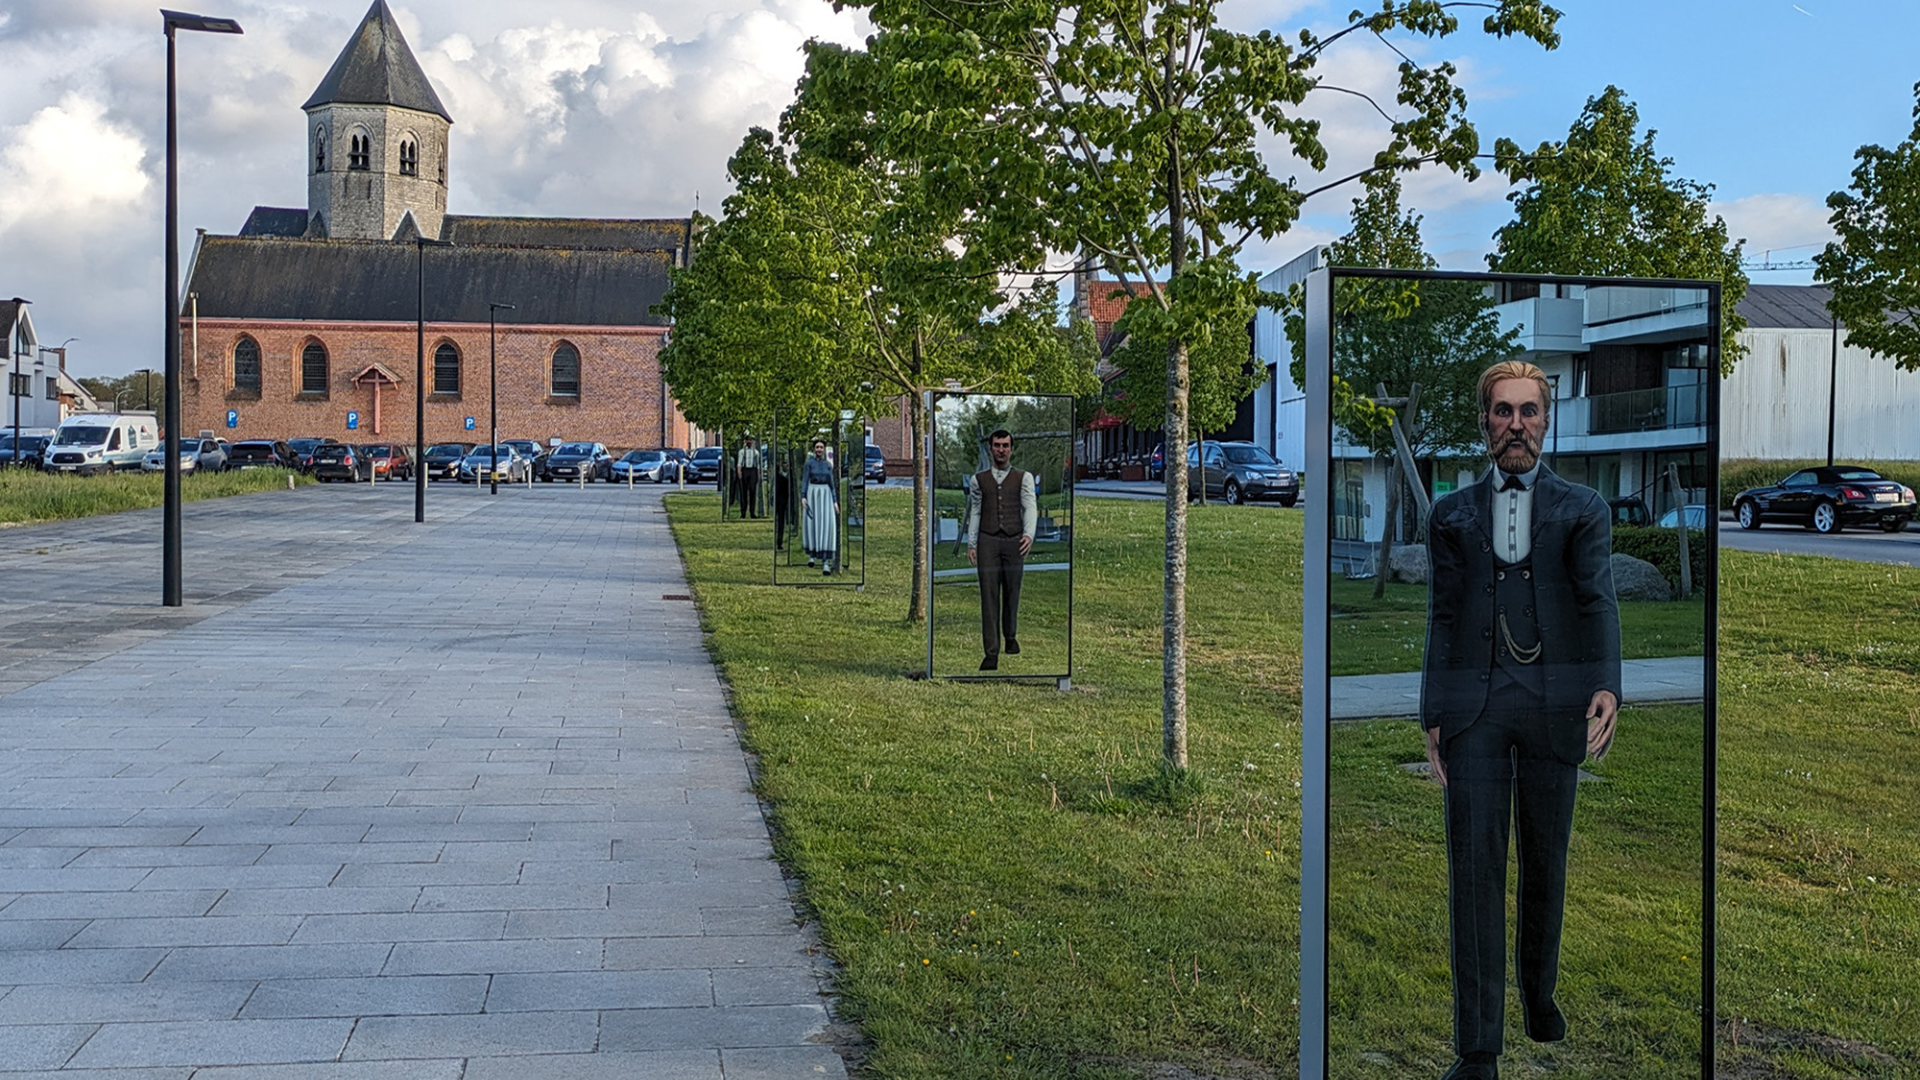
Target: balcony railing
<point>1648,410</point>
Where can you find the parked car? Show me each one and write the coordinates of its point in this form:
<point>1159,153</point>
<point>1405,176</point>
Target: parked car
<point>704,464</point>
<point>506,464</point>
<point>33,447</point>
<point>196,455</point>
<point>1696,518</point>
<point>442,460</point>
<point>390,461</point>
<point>1828,499</point>
<point>575,460</point>
<point>262,454</point>
<point>535,454</point>
<point>304,447</point>
<point>652,465</point>
<point>338,461</point>
<point>680,462</point>
<point>1239,472</point>
<point>876,465</point>
<point>102,443</point>
<point>1630,510</point>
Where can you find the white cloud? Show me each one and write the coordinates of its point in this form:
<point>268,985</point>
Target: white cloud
<point>70,163</point>
<point>1792,227</point>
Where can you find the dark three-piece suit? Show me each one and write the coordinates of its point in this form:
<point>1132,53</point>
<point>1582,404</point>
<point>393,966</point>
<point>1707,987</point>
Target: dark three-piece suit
<point>1515,652</point>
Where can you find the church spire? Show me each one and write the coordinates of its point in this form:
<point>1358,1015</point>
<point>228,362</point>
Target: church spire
<point>377,68</point>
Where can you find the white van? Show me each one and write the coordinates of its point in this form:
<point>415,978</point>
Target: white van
<point>102,443</point>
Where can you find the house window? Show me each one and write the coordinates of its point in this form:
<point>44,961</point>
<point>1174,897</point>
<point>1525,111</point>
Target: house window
<point>409,158</point>
<point>446,369</point>
<point>313,368</point>
<point>359,152</point>
<point>53,388</point>
<point>566,371</point>
<point>320,150</point>
<point>246,365</point>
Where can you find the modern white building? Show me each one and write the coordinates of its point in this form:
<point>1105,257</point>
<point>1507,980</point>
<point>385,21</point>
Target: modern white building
<point>39,395</point>
<point>1802,377</point>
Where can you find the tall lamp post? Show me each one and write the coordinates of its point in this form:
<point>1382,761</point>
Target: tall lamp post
<point>493,401</point>
<point>420,246</point>
<point>172,21</point>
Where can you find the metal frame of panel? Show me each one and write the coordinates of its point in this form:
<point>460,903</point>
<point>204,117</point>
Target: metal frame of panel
<point>844,421</point>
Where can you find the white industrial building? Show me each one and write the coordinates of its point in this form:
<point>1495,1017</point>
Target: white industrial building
<point>39,395</point>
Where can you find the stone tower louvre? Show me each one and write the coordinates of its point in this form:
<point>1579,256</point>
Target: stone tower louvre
<point>376,139</point>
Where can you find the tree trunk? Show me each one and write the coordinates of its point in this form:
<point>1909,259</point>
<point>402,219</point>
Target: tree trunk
<point>922,505</point>
<point>1173,707</point>
<point>1383,560</point>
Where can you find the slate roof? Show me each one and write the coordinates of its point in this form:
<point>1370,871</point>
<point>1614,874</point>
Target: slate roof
<point>272,277</point>
<point>598,234</point>
<point>377,68</point>
<point>9,312</point>
<point>275,221</point>
<point>1787,307</point>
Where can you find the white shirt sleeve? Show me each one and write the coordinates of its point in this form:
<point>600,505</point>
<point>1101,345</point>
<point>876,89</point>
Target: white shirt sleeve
<point>973,512</point>
<point>1029,506</point>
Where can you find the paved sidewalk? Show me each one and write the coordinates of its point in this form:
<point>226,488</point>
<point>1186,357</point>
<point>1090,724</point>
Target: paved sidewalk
<point>453,801</point>
<point>1664,680</point>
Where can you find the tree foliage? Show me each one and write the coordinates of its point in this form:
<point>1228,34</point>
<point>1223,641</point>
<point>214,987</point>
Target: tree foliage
<point>1603,202</point>
<point>1133,133</point>
<point>1874,265</point>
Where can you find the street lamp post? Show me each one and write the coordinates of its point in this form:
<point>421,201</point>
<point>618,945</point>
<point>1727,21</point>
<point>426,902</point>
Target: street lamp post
<point>493,402</point>
<point>420,246</point>
<point>170,592</point>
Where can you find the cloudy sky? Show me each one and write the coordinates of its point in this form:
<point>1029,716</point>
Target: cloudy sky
<point>604,108</point>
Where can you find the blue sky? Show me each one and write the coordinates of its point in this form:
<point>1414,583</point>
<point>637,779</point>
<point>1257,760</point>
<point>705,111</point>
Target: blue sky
<point>617,109</point>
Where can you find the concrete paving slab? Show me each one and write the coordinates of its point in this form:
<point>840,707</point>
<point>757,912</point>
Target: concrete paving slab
<point>369,807</point>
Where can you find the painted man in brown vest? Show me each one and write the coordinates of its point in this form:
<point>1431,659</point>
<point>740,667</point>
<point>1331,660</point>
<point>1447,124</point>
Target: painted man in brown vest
<point>1001,513</point>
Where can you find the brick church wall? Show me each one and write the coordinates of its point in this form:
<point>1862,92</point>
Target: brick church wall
<point>621,401</point>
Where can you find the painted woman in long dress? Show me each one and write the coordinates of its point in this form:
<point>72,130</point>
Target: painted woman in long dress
<point>821,532</point>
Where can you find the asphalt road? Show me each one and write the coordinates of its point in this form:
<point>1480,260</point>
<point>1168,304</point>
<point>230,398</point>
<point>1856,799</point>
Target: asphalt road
<point>1901,548</point>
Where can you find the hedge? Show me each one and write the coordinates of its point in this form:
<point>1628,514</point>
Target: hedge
<point>1662,548</point>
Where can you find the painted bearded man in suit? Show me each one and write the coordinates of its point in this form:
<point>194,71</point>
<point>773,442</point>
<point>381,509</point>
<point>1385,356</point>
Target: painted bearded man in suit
<point>1521,683</point>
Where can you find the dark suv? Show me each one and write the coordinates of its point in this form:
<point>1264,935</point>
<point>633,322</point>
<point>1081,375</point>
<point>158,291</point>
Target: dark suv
<point>261,454</point>
<point>1239,472</point>
<point>578,460</point>
<point>704,465</point>
<point>442,460</point>
<point>876,465</point>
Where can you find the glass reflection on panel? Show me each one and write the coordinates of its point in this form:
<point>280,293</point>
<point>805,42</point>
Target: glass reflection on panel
<point>1545,904</point>
<point>746,476</point>
<point>1028,605</point>
<point>816,494</point>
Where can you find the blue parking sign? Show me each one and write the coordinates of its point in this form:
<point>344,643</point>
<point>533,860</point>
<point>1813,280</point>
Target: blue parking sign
<point>469,423</point>
<point>233,417</point>
<point>353,421</point>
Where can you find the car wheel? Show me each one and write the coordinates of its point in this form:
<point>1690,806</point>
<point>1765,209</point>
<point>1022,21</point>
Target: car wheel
<point>1232,494</point>
<point>1289,500</point>
<point>1749,515</point>
<point>1826,519</point>
<point>1892,524</point>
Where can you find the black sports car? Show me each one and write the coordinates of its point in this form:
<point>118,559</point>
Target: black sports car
<point>1828,499</point>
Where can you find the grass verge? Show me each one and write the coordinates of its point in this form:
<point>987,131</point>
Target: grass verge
<point>33,496</point>
<point>1013,889</point>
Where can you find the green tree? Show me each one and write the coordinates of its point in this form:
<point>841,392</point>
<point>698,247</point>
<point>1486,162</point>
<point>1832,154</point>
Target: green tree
<point>1874,267</point>
<point>820,290</point>
<point>1221,373</point>
<point>1603,202</point>
<point>1133,132</point>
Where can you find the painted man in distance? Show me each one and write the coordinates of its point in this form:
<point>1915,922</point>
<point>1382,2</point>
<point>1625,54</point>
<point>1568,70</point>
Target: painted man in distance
<point>1521,682</point>
<point>1002,511</point>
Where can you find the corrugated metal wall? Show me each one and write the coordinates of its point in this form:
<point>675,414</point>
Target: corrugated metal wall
<point>1774,406</point>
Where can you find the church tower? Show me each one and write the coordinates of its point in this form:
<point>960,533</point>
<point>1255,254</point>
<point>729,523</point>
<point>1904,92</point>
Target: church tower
<point>376,139</point>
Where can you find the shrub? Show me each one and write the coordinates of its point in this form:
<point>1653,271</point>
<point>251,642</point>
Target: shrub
<point>1662,548</point>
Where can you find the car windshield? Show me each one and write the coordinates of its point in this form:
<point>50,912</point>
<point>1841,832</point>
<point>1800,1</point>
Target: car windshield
<point>1857,474</point>
<point>81,436</point>
<point>304,445</point>
<point>580,448</point>
<point>1250,455</point>
<point>483,452</point>
<point>873,453</point>
<point>378,451</point>
<point>446,450</point>
<point>706,452</point>
<point>644,455</point>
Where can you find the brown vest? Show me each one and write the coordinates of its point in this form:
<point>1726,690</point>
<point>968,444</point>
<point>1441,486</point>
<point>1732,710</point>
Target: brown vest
<point>1000,503</point>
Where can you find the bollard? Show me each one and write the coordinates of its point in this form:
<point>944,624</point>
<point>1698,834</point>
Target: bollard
<point>289,481</point>
<point>629,476</point>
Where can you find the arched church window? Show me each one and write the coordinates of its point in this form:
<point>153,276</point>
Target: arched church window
<point>246,365</point>
<point>359,152</point>
<point>409,157</point>
<point>320,150</point>
<point>446,369</point>
<point>313,368</point>
<point>566,371</point>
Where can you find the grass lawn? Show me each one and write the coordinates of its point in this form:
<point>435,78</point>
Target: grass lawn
<point>33,496</point>
<point>1012,893</point>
